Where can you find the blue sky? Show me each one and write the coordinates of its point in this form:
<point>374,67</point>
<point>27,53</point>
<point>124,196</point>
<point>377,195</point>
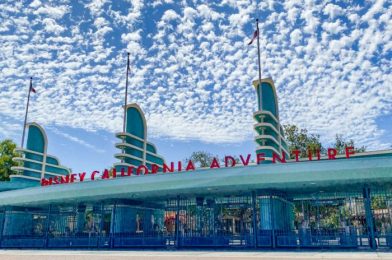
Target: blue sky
<point>191,72</point>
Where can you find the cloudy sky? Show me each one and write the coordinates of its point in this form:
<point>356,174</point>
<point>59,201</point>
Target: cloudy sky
<point>191,72</point>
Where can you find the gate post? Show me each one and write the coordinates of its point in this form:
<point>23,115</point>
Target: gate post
<point>100,238</point>
<point>272,215</point>
<point>177,230</point>
<point>2,228</point>
<point>369,217</point>
<point>254,218</point>
<point>112,225</point>
<point>47,229</point>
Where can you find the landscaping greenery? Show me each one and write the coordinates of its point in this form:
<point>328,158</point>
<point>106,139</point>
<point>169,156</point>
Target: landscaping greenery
<point>301,139</point>
<point>7,152</point>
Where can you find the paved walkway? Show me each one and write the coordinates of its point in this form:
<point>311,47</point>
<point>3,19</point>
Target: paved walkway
<point>183,255</point>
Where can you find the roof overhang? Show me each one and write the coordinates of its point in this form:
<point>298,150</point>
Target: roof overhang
<point>292,178</point>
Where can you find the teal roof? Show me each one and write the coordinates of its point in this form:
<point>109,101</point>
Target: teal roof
<point>33,162</point>
<point>269,132</point>
<point>15,184</point>
<point>36,139</point>
<point>135,122</point>
<point>135,149</point>
<point>293,178</point>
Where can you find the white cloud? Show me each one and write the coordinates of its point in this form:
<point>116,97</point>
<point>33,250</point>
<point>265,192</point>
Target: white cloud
<point>169,15</point>
<point>333,27</point>
<point>377,7</point>
<point>51,26</point>
<point>96,6</point>
<point>35,3</point>
<point>292,14</point>
<point>55,12</point>
<point>133,36</point>
<point>333,10</point>
<point>191,70</point>
<point>295,36</point>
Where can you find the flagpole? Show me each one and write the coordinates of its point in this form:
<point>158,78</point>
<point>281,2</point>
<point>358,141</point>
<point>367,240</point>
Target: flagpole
<point>259,63</point>
<point>126,95</point>
<point>27,111</point>
<point>125,102</point>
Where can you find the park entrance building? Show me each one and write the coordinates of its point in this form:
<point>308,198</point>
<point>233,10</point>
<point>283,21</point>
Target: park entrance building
<point>341,203</point>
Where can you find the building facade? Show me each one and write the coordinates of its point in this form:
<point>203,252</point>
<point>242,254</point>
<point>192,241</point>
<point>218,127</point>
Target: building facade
<point>135,150</point>
<point>34,162</point>
<point>339,203</point>
<point>269,132</point>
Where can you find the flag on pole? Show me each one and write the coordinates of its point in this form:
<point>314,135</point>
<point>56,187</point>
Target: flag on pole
<point>255,35</point>
<point>32,89</point>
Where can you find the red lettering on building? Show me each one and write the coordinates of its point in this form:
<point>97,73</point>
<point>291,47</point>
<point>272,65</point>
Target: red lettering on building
<point>332,153</point>
<point>190,166</point>
<point>296,153</point>
<point>93,174</point>
<point>310,155</point>
<point>349,151</point>
<point>214,164</point>
<point>245,162</point>
<point>105,174</point>
<point>81,176</point>
<point>231,160</point>
<point>142,169</point>
<point>179,168</point>
<point>167,169</point>
<point>276,157</point>
<point>130,170</point>
<point>260,158</point>
<point>154,169</point>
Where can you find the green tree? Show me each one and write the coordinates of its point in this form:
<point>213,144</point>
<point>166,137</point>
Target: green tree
<point>7,152</point>
<point>236,159</point>
<point>300,139</point>
<point>341,144</point>
<point>378,202</point>
<point>201,158</point>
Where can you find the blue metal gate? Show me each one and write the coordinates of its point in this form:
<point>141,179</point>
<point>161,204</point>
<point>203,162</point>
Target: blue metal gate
<point>260,219</point>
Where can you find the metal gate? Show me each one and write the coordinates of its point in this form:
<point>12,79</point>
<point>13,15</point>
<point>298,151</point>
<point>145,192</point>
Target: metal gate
<point>382,213</point>
<point>215,222</point>
<point>260,219</point>
<point>324,220</point>
<point>84,226</point>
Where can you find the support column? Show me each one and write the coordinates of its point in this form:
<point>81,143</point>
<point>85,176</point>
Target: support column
<point>112,226</point>
<point>2,227</point>
<point>177,230</point>
<point>254,218</point>
<point>47,228</point>
<point>369,217</point>
<point>272,222</point>
<point>100,239</point>
<point>80,218</point>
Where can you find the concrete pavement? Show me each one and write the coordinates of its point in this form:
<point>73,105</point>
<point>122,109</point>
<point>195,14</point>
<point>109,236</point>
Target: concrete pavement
<point>184,255</point>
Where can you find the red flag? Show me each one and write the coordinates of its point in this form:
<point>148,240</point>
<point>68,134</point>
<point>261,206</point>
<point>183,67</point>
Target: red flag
<point>255,34</point>
<point>32,89</point>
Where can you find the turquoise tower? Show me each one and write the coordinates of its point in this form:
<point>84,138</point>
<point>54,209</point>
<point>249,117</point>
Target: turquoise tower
<point>269,132</point>
<point>135,149</point>
<point>34,162</point>
<point>275,210</point>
